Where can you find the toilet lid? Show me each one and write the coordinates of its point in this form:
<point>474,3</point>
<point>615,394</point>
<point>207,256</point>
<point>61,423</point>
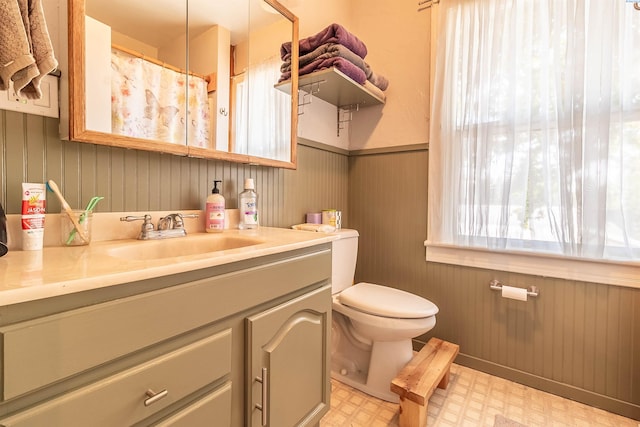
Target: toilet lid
<point>386,302</point>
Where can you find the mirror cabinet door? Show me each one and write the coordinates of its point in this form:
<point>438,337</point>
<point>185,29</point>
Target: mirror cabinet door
<point>269,110</point>
<point>135,85</point>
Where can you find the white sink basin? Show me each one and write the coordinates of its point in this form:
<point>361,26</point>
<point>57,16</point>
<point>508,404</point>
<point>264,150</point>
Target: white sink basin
<point>181,246</point>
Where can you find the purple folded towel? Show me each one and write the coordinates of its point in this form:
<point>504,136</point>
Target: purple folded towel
<point>348,68</point>
<point>332,50</point>
<point>327,50</point>
<point>334,33</point>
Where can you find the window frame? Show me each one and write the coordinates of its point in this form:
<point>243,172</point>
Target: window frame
<point>610,272</point>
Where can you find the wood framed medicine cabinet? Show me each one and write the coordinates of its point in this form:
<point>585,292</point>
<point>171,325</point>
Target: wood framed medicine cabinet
<point>202,37</point>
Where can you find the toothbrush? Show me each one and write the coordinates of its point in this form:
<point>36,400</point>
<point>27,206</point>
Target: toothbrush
<point>52,186</point>
<point>92,204</point>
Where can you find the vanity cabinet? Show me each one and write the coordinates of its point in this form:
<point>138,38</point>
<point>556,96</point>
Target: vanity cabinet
<point>288,354</point>
<point>174,351</point>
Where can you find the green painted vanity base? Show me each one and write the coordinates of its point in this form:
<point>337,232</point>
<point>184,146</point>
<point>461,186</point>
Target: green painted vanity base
<point>106,357</point>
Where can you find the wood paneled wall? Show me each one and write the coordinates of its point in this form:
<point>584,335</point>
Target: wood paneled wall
<point>321,182</point>
<point>133,180</point>
<point>387,205</point>
<point>579,340</point>
<point>130,180</point>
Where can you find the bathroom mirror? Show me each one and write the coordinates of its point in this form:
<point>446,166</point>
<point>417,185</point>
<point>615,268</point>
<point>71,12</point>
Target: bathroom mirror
<point>191,77</point>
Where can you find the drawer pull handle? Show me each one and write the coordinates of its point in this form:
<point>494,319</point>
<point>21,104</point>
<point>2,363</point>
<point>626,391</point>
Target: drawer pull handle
<point>265,389</point>
<point>153,397</point>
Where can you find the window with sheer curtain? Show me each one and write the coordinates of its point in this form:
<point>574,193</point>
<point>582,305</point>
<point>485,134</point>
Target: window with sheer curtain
<point>263,117</point>
<point>535,133</point>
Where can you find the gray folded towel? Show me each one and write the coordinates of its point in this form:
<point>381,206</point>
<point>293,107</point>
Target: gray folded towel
<point>378,80</point>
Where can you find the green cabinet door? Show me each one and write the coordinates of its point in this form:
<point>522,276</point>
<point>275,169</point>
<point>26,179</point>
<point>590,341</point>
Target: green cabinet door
<point>288,379</point>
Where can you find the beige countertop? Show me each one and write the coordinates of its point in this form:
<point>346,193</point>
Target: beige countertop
<point>58,270</point>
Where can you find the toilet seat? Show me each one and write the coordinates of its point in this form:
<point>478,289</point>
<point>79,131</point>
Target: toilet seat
<point>386,302</point>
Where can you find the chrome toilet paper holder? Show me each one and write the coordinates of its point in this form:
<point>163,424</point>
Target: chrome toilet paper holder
<point>496,285</point>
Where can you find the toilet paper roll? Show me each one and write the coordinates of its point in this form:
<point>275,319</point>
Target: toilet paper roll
<point>514,293</point>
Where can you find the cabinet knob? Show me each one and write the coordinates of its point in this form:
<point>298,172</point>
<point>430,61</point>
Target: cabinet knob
<point>263,405</point>
<point>153,397</point>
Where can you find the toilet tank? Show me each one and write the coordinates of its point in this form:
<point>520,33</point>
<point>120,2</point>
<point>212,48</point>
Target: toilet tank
<point>344,253</point>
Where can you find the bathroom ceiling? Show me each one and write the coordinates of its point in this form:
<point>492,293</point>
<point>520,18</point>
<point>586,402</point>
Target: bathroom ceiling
<point>159,22</point>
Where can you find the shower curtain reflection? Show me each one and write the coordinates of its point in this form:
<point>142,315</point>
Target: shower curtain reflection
<point>148,101</point>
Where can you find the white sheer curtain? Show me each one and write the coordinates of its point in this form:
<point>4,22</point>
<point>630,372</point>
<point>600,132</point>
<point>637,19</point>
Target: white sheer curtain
<point>535,136</point>
<point>265,120</point>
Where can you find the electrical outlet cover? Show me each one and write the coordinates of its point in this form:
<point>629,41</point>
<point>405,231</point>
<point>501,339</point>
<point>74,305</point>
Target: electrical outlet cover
<point>45,106</point>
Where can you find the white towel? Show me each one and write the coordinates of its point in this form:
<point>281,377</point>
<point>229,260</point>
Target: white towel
<point>320,228</point>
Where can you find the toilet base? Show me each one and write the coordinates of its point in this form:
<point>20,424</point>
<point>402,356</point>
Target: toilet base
<point>386,360</point>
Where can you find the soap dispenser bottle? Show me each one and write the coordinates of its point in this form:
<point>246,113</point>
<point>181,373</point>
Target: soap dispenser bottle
<point>248,206</point>
<point>214,211</point>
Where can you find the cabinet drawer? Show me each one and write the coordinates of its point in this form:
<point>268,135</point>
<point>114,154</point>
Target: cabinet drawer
<point>120,400</point>
<point>213,409</point>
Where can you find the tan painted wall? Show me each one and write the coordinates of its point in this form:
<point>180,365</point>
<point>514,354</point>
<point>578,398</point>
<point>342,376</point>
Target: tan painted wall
<point>397,37</point>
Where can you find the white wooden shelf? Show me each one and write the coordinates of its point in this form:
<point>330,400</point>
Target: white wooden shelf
<point>334,87</point>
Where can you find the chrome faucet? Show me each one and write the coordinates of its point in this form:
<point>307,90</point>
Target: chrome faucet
<point>169,226</point>
<point>171,222</point>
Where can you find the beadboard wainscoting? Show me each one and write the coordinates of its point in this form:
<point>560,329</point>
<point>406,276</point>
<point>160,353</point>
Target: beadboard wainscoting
<point>321,182</point>
<point>140,181</point>
<point>579,340</point>
<point>129,180</point>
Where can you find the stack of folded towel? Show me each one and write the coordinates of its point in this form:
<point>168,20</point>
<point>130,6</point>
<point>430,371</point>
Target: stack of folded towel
<point>332,47</point>
<point>26,54</point>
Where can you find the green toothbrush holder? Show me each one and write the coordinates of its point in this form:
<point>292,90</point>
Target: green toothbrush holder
<point>68,234</point>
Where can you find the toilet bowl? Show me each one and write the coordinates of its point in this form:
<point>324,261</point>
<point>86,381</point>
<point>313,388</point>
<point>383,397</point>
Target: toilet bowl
<point>372,325</point>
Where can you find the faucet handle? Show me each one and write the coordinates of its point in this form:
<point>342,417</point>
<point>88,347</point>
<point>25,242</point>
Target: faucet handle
<point>147,225</point>
<point>146,218</point>
<point>129,218</point>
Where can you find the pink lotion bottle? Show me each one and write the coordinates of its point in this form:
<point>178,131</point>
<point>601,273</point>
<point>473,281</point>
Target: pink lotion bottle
<point>214,211</point>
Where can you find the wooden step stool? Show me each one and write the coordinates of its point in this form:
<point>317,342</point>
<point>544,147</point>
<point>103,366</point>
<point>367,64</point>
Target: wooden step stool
<point>417,381</point>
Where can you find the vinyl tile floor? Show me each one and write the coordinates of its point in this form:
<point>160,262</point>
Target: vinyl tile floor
<point>472,399</point>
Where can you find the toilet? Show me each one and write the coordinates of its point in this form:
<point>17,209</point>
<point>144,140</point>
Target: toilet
<point>372,325</point>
